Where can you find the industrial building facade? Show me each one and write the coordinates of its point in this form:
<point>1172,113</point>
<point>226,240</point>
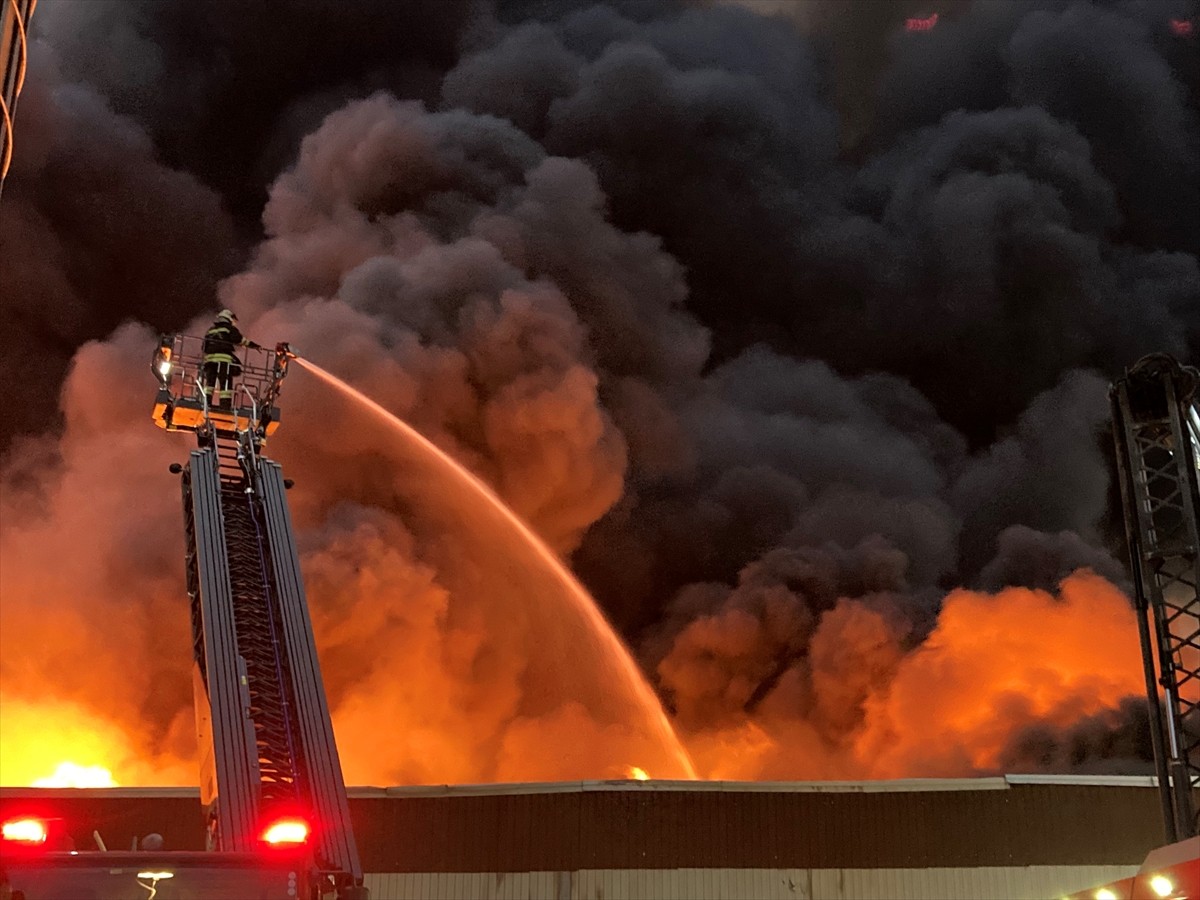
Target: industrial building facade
<point>1019,836</point>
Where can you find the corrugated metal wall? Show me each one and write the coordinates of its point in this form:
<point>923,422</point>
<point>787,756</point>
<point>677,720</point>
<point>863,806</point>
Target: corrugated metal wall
<point>991,883</point>
<point>986,838</point>
<point>670,826</point>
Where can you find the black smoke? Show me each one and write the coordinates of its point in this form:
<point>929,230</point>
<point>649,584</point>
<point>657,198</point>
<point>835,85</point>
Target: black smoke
<point>753,309</point>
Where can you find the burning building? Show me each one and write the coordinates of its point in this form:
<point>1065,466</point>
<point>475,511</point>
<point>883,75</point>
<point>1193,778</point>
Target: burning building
<point>819,426</point>
<point>1000,837</point>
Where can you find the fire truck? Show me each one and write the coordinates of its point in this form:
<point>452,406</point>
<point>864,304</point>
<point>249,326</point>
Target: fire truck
<point>273,802</point>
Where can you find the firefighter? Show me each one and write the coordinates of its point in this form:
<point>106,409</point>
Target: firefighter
<point>221,365</point>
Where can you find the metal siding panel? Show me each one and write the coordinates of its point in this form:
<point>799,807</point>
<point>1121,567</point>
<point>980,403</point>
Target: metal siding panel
<point>726,829</point>
<point>480,885</point>
<point>579,846</point>
<point>611,883</point>
<point>584,885</point>
<point>487,834</point>
<point>533,884</point>
<point>664,826</point>
<point>569,830</point>
<point>383,886</point>
<point>472,830</point>
<point>596,840</point>
<point>518,824</point>
<point>425,832</point>
<point>1010,883</point>
<point>724,825</point>
<point>1106,807</point>
<point>774,813</point>
<point>676,884</point>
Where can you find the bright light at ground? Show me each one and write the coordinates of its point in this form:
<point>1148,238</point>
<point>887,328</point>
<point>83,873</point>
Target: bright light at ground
<point>638,774</point>
<point>72,775</point>
<point>1162,886</point>
<point>1105,894</point>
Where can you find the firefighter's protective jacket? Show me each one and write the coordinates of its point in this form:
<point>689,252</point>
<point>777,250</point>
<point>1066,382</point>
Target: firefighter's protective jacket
<point>220,342</point>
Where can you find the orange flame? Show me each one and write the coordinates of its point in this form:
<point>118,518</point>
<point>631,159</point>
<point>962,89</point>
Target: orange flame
<point>51,743</point>
<point>994,666</point>
<point>646,715</point>
<point>73,775</point>
<point>997,664</point>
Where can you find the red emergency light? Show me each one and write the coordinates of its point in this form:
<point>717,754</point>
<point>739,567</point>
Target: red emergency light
<point>919,24</point>
<point>27,832</point>
<point>1182,27</point>
<point>290,831</point>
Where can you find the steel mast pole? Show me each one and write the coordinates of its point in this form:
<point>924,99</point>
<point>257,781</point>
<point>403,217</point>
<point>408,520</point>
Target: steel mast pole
<point>1156,427</point>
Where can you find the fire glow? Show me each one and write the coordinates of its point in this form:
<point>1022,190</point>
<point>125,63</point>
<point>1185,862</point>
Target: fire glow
<point>921,24</point>
<point>994,667</point>
<point>578,597</point>
<point>91,746</point>
<point>551,321</point>
<point>72,775</point>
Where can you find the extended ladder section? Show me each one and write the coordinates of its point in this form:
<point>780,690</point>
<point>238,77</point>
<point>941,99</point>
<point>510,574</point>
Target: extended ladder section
<point>267,747</point>
<point>1156,426</point>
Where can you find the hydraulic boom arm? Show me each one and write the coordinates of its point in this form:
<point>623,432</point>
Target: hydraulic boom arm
<point>266,740</point>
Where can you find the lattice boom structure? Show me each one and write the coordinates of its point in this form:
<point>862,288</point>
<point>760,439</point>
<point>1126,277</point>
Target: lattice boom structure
<point>1156,426</point>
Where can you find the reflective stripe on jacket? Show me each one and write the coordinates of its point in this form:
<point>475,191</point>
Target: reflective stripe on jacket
<point>220,341</point>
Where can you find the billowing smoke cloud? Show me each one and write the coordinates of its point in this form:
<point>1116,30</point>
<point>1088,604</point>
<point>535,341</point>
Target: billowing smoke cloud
<point>861,701</point>
<point>198,81</point>
<point>994,222</point>
<point>436,617</point>
<point>94,230</point>
<point>809,389</point>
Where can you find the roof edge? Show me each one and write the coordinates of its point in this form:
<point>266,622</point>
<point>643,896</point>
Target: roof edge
<point>904,785</point>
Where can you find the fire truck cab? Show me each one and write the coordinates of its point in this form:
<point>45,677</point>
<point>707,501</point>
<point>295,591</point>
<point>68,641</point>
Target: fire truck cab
<point>38,861</point>
<point>183,875</point>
